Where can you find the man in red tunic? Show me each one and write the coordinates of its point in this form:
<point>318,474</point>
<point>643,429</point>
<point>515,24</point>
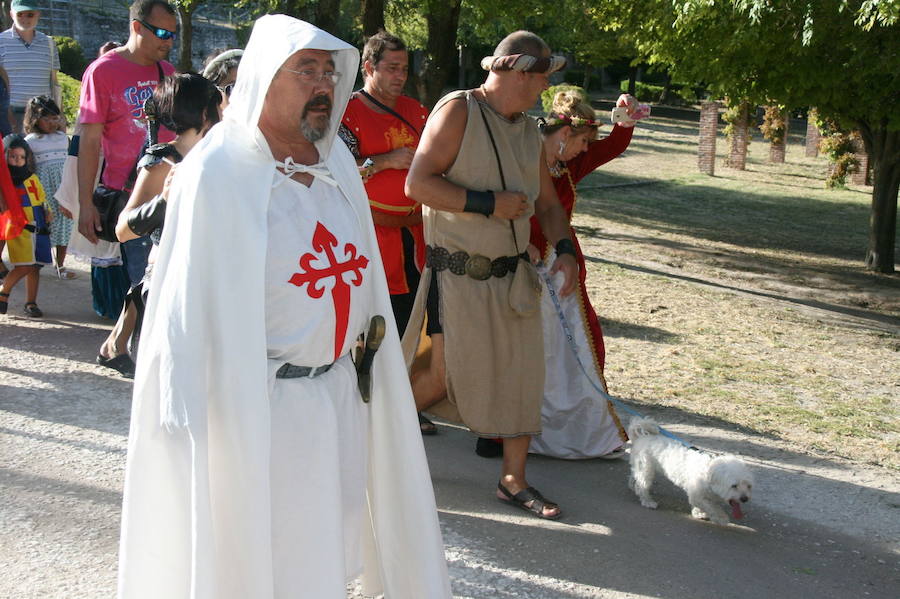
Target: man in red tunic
<point>382,127</point>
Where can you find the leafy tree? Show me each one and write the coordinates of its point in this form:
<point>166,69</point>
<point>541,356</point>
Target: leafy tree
<point>842,56</point>
<point>71,56</point>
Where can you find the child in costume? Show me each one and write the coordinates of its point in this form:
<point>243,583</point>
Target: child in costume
<point>30,250</point>
<point>49,142</point>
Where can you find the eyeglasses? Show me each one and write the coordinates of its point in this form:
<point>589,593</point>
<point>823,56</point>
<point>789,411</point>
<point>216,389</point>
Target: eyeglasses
<point>226,90</point>
<point>163,34</point>
<point>311,76</point>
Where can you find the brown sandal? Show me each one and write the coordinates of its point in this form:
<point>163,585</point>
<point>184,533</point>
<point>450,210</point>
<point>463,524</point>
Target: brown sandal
<point>538,502</point>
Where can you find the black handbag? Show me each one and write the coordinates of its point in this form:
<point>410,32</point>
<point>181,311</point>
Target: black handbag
<point>109,204</point>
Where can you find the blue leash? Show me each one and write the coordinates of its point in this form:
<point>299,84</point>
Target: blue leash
<point>599,388</point>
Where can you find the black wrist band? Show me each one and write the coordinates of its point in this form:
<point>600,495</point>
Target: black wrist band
<point>565,246</point>
<point>481,202</point>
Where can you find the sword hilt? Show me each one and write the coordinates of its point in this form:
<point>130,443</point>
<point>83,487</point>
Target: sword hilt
<point>366,355</point>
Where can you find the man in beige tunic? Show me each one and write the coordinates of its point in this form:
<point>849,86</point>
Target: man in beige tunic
<point>480,173</point>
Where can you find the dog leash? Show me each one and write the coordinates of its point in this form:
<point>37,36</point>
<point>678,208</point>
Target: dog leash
<point>599,388</point>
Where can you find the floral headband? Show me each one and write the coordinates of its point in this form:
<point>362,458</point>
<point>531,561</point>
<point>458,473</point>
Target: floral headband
<point>523,62</point>
<point>573,121</point>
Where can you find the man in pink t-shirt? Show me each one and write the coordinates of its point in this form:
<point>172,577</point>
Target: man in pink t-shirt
<point>113,91</point>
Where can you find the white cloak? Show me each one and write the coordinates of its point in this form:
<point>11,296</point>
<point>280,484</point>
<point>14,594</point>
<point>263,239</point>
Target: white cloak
<point>196,517</point>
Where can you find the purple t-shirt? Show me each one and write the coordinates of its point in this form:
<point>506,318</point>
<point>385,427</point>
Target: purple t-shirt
<point>113,91</point>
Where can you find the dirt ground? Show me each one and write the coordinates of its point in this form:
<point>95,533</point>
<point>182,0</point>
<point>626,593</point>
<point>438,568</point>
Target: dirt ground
<point>742,297</point>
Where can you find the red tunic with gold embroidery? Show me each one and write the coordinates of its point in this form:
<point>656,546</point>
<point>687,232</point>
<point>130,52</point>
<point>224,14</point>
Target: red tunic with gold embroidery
<point>599,152</point>
<point>368,133</point>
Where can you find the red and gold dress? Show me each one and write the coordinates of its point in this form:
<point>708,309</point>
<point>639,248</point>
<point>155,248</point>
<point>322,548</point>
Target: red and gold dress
<point>576,422</point>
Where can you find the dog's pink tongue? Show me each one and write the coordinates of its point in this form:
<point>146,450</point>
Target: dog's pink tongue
<point>736,509</point>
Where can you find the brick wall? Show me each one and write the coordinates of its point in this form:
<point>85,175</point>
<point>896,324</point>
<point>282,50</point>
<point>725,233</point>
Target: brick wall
<point>737,156</point>
<point>813,137</point>
<point>706,152</point>
<point>861,175</point>
<point>777,151</point>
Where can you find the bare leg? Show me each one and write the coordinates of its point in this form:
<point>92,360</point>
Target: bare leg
<point>429,386</point>
<point>117,341</point>
<point>61,255</point>
<point>32,282</point>
<point>515,454</point>
<point>14,276</point>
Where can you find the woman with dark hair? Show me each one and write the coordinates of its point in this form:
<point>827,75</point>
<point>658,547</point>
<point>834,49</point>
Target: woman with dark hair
<point>188,105</point>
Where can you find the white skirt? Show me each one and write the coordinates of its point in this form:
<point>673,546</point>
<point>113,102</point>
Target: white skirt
<point>319,470</point>
<point>576,420</point>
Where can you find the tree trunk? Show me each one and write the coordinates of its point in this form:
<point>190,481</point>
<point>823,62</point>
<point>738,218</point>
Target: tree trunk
<point>440,50</point>
<point>632,79</point>
<point>372,16</point>
<point>667,89</point>
<point>883,147</point>
<point>185,37</point>
<point>588,72</point>
<point>327,12</point>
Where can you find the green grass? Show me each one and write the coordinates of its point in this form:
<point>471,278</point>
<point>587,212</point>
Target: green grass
<point>770,321</point>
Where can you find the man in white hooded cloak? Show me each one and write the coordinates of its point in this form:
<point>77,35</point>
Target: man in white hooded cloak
<point>240,483</point>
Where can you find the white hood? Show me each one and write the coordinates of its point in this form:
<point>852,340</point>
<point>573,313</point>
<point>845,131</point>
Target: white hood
<point>197,518</point>
<point>274,39</point>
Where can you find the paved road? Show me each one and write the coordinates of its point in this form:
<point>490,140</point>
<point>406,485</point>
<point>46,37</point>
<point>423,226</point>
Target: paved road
<point>817,527</point>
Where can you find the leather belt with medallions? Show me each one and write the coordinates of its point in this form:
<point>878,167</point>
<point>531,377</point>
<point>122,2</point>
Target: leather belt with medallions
<point>476,266</point>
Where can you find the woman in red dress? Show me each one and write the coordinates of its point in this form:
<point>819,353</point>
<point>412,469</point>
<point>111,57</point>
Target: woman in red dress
<point>577,422</point>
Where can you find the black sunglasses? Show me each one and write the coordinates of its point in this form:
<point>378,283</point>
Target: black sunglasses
<point>163,34</point>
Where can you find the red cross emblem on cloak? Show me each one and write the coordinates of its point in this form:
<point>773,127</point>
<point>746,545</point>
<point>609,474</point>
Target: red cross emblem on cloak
<point>33,189</point>
<point>324,242</point>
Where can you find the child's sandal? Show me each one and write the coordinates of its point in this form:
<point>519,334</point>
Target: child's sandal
<point>32,310</point>
<point>4,302</point>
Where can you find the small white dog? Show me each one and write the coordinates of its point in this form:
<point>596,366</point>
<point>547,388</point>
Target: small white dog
<point>708,481</point>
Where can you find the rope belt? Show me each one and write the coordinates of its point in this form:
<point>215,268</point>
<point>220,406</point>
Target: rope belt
<point>290,371</point>
<point>570,337</point>
<point>476,266</point>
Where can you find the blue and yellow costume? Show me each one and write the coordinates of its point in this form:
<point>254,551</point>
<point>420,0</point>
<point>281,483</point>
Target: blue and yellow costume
<point>32,246</point>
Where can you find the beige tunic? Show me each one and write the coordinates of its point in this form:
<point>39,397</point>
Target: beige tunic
<point>495,368</point>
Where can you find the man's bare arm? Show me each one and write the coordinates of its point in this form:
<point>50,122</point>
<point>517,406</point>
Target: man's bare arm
<point>440,144</point>
<point>88,163</point>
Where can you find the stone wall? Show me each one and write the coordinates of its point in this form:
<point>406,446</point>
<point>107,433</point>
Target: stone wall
<point>92,29</point>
